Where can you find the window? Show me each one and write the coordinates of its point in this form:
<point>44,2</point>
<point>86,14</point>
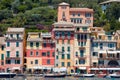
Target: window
<point>81,61</point>
<point>17,61</point>
<point>37,53</point>
<point>56,64</point>
<point>63,49</point>
<point>81,53</point>
<point>37,44</point>
<point>95,44</point>
<point>11,35</point>
<point>2,47</point>
<point>63,56</point>
<point>17,53</point>
<point>31,62</point>
<point>63,64</point>
<point>2,56</point>
<point>53,54</point>
<point>8,53</point>
<point>63,7</point>
<point>31,44</point>
<point>84,28</point>
<point>57,57</point>
<point>57,41</point>
<point>17,36</point>
<point>36,61</point>
<point>44,45</point>
<point>48,61</point>
<point>8,61</point>
<point>31,53</point>
<point>48,53</point>
<point>43,54</point>
<point>68,56</point>
<point>110,45</point>
<point>88,15</point>
<point>62,41</point>
<point>109,37</point>
<point>8,44</point>
<point>78,14</point>
<point>101,62</point>
<point>73,14</point>
<point>68,64</point>
<point>78,28</point>
<point>17,44</point>
<point>100,55</point>
<point>2,63</point>
<point>68,41</point>
<point>87,21</point>
<point>76,53</point>
<point>95,54</point>
<point>68,49</point>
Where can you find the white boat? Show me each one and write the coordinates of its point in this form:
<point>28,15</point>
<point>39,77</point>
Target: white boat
<point>88,75</point>
<point>114,75</point>
<point>55,75</point>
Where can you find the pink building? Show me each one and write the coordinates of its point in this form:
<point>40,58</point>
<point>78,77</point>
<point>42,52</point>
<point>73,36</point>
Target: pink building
<point>14,49</point>
<point>75,15</point>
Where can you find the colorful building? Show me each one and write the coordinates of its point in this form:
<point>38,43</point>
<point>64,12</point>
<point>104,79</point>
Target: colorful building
<point>2,54</point>
<point>15,44</point>
<point>48,51</point>
<point>73,26</point>
<point>40,53</point>
<point>104,55</point>
<point>64,37</point>
<point>33,55</point>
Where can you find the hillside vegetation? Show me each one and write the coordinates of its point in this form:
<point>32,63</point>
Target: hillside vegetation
<point>39,15</point>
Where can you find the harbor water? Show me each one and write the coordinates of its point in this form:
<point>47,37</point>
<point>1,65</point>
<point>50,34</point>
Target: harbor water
<point>66,78</point>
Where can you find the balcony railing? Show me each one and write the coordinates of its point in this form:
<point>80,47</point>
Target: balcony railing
<point>100,40</point>
<point>83,31</point>
<point>81,57</point>
<point>16,58</point>
<point>14,38</point>
<point>109,58</point>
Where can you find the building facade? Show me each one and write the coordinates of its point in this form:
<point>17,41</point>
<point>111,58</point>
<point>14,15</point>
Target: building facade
<point>104,54</point>
<point>15,44</point>
<point>76,23</point>
<point>2,54</point>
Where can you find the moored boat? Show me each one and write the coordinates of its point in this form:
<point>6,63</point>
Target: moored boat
<point>114,75</point>
<point>7,75</point>
<point>55,75</point>
<point>84,75</point>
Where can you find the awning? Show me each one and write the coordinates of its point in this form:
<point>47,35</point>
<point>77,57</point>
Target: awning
<point>113,68</point>
<point>37,67</point>
<point>16,68</point>
<point>63,69</point>
<point>94,68</point>
<point>56,69</point>
<point>83,68</point>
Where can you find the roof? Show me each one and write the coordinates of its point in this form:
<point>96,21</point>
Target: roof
<point>81,9</point>
<point>15,29</point>
<point>2,40</point>
<point>109,1</point>
<point>64,23</point>
<point>64,4</point>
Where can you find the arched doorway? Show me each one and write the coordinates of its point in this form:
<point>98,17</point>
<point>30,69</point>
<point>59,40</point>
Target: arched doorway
<point>113,63</point>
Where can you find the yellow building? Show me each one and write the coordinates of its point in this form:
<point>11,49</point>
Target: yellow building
<point>33,53</point>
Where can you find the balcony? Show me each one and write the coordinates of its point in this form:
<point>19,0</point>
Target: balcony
<point>48,41</point>
<point>81,47</point>
<point>81,57</point>
<point>9,58</point>
<point>100,40</point>
<point>83,31</point>
<point>13,39</point>
<point>109,58</point>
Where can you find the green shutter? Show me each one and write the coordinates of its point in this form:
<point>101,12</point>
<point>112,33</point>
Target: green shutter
<point>63,64</point>
<point>68,64</point>
<point>2,56</point>
<point>63,56</point>
<point>68,56</point>
<point>57,57</point>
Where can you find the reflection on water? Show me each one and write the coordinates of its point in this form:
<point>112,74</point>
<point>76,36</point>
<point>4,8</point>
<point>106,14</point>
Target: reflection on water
<point>66,78</point>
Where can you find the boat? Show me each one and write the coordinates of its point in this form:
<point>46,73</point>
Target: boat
<point>88,75</point>
<point>55,75</point>
<point>84,75</point>
<point>101,75</point>
<point>7,75</point>
<point>114,75</point>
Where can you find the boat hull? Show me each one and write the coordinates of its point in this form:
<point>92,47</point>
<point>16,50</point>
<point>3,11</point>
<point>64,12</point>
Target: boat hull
<point>7,75</point>
<point>54,76</point>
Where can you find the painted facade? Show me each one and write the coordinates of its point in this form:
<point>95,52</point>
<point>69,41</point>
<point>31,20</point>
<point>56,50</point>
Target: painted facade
<point>40,53</point>
<point>104,54</point>
<point>2,54</point>
<point>75,22</point>
<point>14,55</point>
